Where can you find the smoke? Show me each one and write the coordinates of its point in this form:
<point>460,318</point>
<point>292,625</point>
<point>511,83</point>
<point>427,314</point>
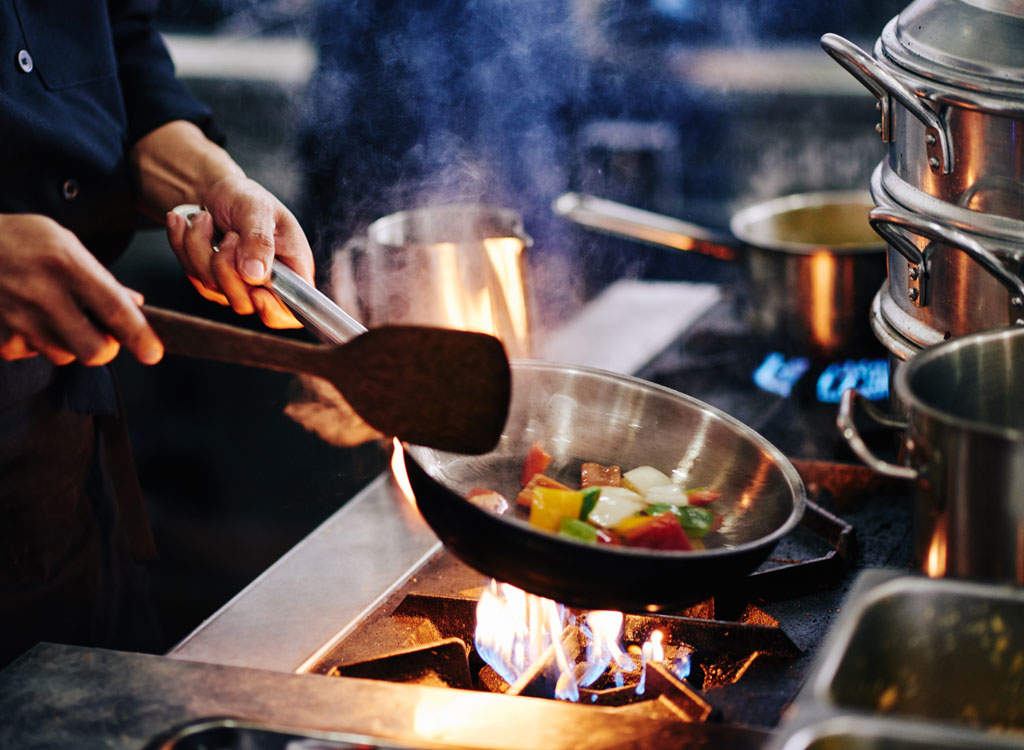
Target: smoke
<point>455,101</point>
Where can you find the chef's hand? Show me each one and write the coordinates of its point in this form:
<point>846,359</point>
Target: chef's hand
<point>57,300</point>
<point>227,250</point>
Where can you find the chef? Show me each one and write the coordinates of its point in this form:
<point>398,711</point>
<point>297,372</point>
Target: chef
<point>97,136</point>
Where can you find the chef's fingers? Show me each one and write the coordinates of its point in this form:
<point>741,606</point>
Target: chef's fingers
<point>235,290</point>
<point>256,228</point>
<point>292,247</point>
<point>176,226</point>
<point>112,312</point>
<point>198,249</point>
<point>13,346</point>
<point>272,312</point>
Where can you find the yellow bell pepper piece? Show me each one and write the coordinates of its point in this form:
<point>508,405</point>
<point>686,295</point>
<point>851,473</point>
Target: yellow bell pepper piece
<point>550,505</point>
<point>631,522</point>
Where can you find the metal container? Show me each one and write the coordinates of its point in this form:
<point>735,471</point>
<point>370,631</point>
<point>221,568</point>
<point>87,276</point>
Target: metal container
<point>899,349</point>
<point>812,262</point>
<point>949,77</point>
<point>964,440</point>
<point>915,663</point>
<point>951,271</point>
<point>456,266</point>
<point>584,414</point>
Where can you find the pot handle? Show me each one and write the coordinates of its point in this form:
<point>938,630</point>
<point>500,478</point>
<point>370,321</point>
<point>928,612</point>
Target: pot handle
<point>845,423</point>
<point>884,219</point>
<point>646,226</point>
<point>880,79</point>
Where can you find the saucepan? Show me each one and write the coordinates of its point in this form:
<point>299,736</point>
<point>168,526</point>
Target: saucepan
<point>812,261</point>
<point>582,414</point>
<point>964,440</point>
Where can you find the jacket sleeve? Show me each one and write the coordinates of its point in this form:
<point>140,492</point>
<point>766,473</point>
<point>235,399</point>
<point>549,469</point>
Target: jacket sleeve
<point>153,95</point>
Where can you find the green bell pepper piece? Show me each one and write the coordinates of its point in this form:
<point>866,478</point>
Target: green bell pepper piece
<point>579,530</point>
<point>590,495</point>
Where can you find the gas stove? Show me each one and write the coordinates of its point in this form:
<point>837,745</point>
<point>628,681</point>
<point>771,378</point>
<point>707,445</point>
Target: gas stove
<point>370,602</point>
<point>391,605</point>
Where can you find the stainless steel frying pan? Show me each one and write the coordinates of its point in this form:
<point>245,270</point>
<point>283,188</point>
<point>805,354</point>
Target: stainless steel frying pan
<point>582,414</point>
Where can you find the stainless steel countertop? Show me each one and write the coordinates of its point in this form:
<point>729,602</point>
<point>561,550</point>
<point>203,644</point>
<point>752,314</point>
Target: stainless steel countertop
<point>320,588</point>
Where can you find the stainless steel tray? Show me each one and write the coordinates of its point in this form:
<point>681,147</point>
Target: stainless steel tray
<point>911,658</point>
<point>866,733</point>
<point>236,734</point>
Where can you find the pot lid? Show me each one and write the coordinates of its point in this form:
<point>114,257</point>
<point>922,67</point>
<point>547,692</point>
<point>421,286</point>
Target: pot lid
<point>972,44</point>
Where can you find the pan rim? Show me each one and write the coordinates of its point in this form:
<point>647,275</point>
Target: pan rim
<point>792,478</point>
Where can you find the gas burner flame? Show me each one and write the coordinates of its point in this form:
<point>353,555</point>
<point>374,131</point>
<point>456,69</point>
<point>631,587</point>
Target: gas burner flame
<point>515,630</point>
<point>400,474</point>
<point>603,630</point>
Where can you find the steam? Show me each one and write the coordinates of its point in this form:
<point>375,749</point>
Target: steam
<point>463,101</point>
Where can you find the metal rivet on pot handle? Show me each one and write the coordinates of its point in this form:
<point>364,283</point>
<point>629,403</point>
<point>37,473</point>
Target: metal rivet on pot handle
<point>845,423</point>
<point>882,217</point>
<point>879,79</point>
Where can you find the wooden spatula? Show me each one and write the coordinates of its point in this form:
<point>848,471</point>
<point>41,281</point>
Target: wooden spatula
<point>435,387</point>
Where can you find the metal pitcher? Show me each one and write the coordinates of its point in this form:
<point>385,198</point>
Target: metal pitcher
<point>457,266</point>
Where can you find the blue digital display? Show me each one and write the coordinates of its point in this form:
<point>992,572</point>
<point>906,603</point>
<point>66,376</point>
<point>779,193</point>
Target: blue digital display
<point>869,376</point>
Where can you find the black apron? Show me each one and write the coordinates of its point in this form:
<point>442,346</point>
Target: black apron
<point>74,537</point>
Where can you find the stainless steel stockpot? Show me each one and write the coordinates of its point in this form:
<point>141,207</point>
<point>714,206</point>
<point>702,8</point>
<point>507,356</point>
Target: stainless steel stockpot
<point>964,451</point>
<point>950,271</point>
<point>812,262</point>
<point>949,77</point>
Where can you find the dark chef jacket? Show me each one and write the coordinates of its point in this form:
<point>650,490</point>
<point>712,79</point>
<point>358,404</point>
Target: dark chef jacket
<point>80,82</point>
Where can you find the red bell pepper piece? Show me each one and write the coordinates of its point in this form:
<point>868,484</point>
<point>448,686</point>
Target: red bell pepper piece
<point>536,462</point>
<point>661,532</point>
<point>701,497</point>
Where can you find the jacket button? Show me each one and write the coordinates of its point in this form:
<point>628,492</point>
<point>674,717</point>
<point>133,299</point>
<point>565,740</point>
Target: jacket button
<point>69,190</point>
<point>25,61</point>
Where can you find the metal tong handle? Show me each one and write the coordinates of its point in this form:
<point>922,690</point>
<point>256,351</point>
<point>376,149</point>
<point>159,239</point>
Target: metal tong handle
<point>317,312</point>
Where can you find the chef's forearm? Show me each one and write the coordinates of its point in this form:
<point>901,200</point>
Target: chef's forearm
<point>175,164</point>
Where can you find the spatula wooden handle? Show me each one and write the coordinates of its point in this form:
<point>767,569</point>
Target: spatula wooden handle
<point>197,337</point>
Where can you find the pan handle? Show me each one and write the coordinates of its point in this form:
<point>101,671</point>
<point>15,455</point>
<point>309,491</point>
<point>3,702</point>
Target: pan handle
<point>878,78</point>
<point>845,423</point>
<point>884,219</point>
<point>637,224</point>
<point>315,310</point>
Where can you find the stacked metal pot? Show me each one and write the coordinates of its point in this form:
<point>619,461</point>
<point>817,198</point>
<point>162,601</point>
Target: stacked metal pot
<point>949,77</point>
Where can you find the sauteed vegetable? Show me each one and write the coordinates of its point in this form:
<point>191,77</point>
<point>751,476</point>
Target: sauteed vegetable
<point>642,507</point>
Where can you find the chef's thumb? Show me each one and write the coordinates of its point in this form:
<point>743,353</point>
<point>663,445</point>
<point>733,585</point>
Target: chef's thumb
<point>254,255</point>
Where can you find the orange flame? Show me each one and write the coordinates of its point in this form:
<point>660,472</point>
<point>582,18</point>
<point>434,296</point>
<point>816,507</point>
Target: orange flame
<point>935,559</point>
<point>823,280</point>
<point>400,474</point>
<point>494,304</point>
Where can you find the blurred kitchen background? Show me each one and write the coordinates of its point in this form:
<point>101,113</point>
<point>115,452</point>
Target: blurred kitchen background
<point>352,109</point>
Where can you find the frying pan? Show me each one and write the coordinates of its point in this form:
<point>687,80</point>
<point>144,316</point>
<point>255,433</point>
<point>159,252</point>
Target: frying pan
<point>812,261</point>
<point>584,414</point>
